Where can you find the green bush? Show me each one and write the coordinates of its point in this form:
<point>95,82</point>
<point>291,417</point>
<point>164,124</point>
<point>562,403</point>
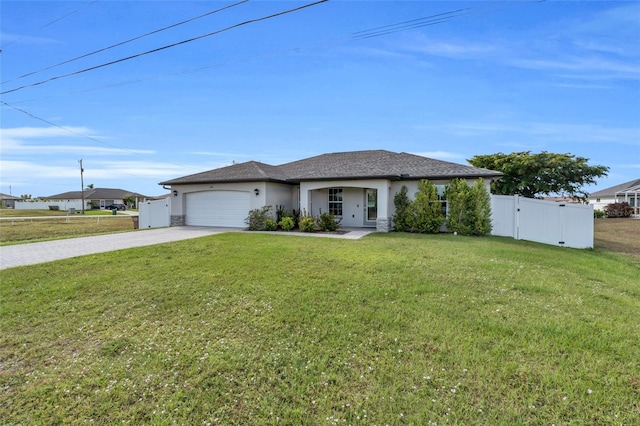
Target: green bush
<point>287,223</point>
<point>401,217</point>
<point>307,224</point>
<point>426,210</point>
<point>257,219</point>
<point>281,212</point>
<point>327,222</point>
<point>271,225</point>
<point>469,208</point>
<point>599,214</point>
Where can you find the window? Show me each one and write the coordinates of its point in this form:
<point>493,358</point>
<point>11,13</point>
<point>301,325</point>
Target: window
<point>335,201</point>
<point>442,198</point>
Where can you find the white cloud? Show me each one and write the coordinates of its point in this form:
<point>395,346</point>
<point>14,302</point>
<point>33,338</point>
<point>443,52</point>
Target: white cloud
<point>17,141</point>
<point>547,131</point>
<point>43,132</point>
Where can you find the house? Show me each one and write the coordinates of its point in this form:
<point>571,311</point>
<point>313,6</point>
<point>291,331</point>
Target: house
<point>8,201</point>
<point>100,197</point>
<point>628,191</point>
<point>357,187</point>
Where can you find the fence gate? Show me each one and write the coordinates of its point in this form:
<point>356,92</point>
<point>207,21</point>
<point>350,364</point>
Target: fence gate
<point>549,222</point>
<point>155,214</point>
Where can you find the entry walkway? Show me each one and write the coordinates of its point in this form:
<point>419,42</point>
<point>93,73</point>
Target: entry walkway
<point>47,251</point>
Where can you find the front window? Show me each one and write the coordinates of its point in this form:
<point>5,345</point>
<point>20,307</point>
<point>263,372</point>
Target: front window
<point>441,189</point>
<point>335,201</point>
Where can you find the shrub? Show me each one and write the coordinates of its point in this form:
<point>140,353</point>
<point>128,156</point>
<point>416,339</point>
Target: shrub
<point>426,213</point>
<point>327,222</point>
<point>280,213</point>
<point>307,224</point>
<point>271,225</point>
<point>459,203</point>
<point>287,223</point>
<point>401,217</point>
<point>598,214</point>
<point>619,210</point>
<point>257,219</point>
<point>54,207</point>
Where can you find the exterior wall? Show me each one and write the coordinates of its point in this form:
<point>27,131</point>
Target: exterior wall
<point>601,202</point>
<point>9,203</point>
<point>178,202</point>
<point>314,196</point>
<point>268,194</point>
<point>278,194</point>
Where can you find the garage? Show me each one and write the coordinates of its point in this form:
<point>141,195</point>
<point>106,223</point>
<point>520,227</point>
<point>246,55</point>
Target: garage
<point>217,208</point>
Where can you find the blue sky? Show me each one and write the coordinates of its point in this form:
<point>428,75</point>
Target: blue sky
<point>485,77</point>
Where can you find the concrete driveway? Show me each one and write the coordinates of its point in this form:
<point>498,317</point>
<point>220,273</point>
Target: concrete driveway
<point>33,253</point>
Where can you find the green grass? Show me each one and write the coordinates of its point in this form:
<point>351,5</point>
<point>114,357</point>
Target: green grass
<point>24,230</point>
<point>269,329</point>
<point>46,213</point>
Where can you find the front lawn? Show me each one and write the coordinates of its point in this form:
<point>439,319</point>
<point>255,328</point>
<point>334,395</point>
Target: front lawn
<point>274,329</point>
<point>26,230</point>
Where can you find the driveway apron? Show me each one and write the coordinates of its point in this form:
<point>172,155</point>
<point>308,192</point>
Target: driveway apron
<point>46,251</point>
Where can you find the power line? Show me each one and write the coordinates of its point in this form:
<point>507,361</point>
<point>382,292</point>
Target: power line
<point>250,21</point>
<point>127,41</point>
<point>66,129</point>
<point>51,22</point>
<point>435,19</point>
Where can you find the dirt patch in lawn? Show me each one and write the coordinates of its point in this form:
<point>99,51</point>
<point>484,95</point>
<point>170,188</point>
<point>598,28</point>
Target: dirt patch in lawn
<point>618,235</point>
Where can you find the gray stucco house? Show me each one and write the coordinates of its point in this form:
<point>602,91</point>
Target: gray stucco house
<point>357,186</point>
<point>8,201</point>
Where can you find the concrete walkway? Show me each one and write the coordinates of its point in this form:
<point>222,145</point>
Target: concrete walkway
<point>33,253</point>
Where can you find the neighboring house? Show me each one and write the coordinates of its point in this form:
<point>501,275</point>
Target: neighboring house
<point>100,197</point>
<point>357,187</point>
<point>628,191</point>
<point>8,201</point>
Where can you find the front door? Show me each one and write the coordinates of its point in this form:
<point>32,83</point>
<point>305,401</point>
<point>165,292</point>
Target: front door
<point>371,203</point>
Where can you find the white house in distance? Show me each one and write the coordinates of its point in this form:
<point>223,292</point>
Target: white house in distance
<point>628,191</point>
<point>357,187</point>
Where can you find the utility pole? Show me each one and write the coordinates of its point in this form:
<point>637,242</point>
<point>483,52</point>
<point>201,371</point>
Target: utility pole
<point>82,183</point>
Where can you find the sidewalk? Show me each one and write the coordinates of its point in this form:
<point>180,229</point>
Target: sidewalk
<point>47,251</point>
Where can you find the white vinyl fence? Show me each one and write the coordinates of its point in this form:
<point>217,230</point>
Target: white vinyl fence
<point>548,222</point>
<point>155,214</point>
<point>44,205</point>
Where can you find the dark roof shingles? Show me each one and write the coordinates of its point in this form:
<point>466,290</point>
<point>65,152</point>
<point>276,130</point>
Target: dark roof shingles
<point>341,165</point>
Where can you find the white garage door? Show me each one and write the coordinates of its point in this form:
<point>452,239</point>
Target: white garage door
<point>217,208</point>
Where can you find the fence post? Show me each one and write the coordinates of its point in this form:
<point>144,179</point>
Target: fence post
<point>516,220</point>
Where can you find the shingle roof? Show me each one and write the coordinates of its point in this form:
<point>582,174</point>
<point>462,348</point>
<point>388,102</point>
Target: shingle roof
<point>251,171</point>
<point>610,192</point>
<point>340,165</point>
<point>8,197</point>
<point>96,194</point>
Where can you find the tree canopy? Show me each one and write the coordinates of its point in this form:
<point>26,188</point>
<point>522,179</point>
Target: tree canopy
<point>535,175</point>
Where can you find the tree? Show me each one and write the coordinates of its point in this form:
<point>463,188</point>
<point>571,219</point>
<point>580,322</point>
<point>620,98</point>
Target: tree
<point>426,210</point>
<point>480,215</point>
<point>459,203</point>
<point>469,208</point>
<point>402,203</point>
<point>535,175</point>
